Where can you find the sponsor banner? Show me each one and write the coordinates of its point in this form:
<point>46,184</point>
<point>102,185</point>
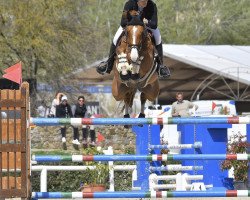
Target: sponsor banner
<point>78,88</point>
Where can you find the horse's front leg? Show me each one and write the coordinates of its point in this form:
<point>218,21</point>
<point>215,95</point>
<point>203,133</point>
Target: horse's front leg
<point>142,113</point>
<point>126,114</point>
<point>143,101</point>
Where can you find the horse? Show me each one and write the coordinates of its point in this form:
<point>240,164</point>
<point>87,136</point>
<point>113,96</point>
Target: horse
<point>135,66</point>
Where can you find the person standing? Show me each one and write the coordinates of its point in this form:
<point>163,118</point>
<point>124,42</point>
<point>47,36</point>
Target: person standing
<point>181,107</point>
<point>63,110</point>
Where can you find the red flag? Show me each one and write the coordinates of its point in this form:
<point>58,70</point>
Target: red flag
<point>100,137</point>
<point>213,106</point>
<point>14,73</point>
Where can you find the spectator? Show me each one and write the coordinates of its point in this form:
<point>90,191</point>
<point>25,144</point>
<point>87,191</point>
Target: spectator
<point>79,110</point>
<point>63,110</point>
<point>181,107</point>
<point>42,109</point>
<point>56,101</point>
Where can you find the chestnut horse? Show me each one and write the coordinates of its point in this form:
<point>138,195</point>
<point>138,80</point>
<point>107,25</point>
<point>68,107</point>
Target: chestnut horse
<point>135,67</point>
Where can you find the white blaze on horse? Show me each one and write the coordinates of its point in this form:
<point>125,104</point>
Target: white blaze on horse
<point>135,66</point>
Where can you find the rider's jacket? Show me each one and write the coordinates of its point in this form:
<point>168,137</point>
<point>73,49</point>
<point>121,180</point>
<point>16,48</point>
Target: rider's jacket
<point>149,12</point>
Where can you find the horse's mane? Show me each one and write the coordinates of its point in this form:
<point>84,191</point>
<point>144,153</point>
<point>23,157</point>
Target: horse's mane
<point>135,21</point>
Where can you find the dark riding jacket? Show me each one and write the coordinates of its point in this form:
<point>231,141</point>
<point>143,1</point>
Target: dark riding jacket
<point>149,13</point>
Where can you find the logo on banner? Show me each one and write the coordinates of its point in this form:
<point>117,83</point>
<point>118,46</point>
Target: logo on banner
<point>93,107</point>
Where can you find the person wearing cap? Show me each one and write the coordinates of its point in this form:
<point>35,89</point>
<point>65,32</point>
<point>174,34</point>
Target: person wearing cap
<point>63,110</point>
<point>147,10</point>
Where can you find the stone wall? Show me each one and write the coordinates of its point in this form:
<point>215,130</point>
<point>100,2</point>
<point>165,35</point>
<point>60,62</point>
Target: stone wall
<point>49,138</point>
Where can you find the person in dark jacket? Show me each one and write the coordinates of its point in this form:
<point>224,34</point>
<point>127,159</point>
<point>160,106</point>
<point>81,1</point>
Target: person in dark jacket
<point>148,13</point>
<point>63,110</point>
<point>79,110</point>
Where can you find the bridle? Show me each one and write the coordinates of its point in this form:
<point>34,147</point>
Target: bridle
<point>138,47</point>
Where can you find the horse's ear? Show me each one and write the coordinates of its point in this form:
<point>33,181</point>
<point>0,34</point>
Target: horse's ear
<point>134,13</point>
<point>125,14</point>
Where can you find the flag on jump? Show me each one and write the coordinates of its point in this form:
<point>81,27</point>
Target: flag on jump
<point>213,106</point>
<point>14,73</point>
<point>100,137</point>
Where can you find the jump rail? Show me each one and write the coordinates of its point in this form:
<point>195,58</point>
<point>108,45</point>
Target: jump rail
<point>138,121</point>
<point>141,194</point>
<point>153,157</point>
<point>196,145</point>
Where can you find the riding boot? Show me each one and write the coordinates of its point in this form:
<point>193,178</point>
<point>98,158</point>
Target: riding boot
<point>106,67</point>
<point>84,135</point>
<point>162,70</point>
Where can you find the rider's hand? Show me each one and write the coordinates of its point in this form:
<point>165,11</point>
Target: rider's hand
<point>145,21</point>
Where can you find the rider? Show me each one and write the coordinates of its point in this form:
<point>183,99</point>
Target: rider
<point>148,12</point>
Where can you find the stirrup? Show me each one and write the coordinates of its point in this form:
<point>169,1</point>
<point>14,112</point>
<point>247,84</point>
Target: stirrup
<point>166,74</point>
<point>101,66</point>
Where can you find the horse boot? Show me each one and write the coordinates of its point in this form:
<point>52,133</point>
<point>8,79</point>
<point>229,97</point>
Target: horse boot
<point>92,137</point>
<point>162,70</point>
<point>127,116</point>
<point>141,116</point>
<point>106,66</point>
<point>84,137</point>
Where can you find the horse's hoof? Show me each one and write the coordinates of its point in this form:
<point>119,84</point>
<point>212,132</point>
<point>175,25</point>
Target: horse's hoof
<point>127,126</point>
<point>125,77</point>
<point>135,76</point>
<point>141,116</point>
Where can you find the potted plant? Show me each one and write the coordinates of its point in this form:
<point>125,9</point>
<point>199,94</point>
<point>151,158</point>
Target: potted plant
<point>97,178</point>
<point>237,145</point>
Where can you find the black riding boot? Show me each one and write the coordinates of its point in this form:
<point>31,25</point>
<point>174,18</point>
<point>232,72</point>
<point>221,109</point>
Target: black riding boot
<point>106,67</point>
<point>162,70</point>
